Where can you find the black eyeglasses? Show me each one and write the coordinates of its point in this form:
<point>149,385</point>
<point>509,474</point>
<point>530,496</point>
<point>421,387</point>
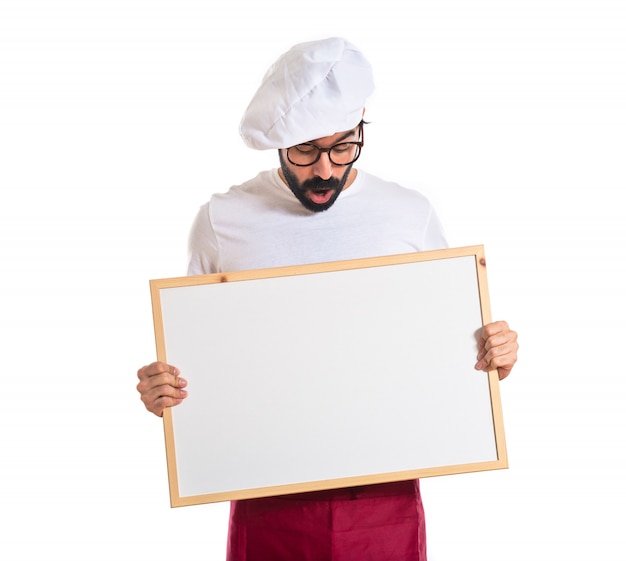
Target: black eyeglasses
<point>340,154</point>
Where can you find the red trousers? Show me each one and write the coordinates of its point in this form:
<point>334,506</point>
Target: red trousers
<point>373,523</point>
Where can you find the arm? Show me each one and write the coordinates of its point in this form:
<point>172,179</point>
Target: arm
<point>497,349</point>
<point>160,384</point>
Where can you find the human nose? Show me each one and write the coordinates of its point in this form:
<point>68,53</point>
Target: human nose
<point>323,168</point>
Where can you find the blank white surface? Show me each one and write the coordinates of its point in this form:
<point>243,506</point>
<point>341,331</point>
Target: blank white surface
<point>327,376</point>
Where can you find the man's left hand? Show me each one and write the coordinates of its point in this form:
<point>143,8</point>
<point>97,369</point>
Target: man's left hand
<point>497,349</point>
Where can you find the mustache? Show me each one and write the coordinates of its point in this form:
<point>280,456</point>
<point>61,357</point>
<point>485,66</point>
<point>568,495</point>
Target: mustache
<point>318,184</point>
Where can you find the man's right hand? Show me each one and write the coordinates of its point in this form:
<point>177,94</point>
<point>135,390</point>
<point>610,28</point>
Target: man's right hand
<point>160,386</point>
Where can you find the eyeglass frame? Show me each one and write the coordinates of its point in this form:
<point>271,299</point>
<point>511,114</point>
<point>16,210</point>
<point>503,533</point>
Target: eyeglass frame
<point>320,151</point>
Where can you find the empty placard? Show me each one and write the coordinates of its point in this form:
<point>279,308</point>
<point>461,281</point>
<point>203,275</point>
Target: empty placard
<point>330,375</point>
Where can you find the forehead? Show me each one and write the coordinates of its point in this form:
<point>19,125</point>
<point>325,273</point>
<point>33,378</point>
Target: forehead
<point>330,140</point>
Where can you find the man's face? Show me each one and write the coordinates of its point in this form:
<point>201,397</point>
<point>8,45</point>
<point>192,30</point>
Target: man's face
<point>317,186</point>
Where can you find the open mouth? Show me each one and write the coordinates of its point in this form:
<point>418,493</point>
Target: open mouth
<point>320,196</point>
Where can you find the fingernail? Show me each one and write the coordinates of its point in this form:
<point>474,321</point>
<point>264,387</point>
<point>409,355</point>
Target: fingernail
<point>182,382</point>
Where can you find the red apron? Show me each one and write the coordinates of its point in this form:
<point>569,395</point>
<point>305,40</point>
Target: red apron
<point>373,523</point>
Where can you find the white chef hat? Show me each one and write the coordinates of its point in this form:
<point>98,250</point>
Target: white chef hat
<point>315,89</point>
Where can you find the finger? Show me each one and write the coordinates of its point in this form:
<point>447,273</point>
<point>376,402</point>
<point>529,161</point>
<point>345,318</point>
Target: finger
<point>161,384</point>
<point>494,335</point>
<point>159,397</point>
<point>155,369</point>
<point>158,374</point>
<point>161,404</point>
<point>495,329</point>
<point>499,344</point>
<point>501,358</point>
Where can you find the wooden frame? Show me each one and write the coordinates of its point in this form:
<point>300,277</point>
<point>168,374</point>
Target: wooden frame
<point>331,375</point>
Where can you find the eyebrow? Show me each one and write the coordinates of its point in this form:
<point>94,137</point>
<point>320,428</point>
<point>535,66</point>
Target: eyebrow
<point>347,135</point>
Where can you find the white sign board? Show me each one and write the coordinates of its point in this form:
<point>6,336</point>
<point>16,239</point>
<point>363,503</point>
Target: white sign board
<point>331,375</point>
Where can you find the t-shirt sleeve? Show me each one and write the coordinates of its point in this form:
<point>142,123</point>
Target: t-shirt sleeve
<point>434,236</point>
<point>203,247</point>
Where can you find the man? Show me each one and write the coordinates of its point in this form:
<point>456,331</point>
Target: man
<point>317,207</point>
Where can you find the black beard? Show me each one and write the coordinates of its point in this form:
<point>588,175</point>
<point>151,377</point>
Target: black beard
<point>335,184</point>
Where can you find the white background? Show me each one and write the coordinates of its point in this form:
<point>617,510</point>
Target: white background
<point>119,118</point>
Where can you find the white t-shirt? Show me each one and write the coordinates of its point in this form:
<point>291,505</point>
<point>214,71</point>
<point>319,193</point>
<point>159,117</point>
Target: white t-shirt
<point>261,224</point>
